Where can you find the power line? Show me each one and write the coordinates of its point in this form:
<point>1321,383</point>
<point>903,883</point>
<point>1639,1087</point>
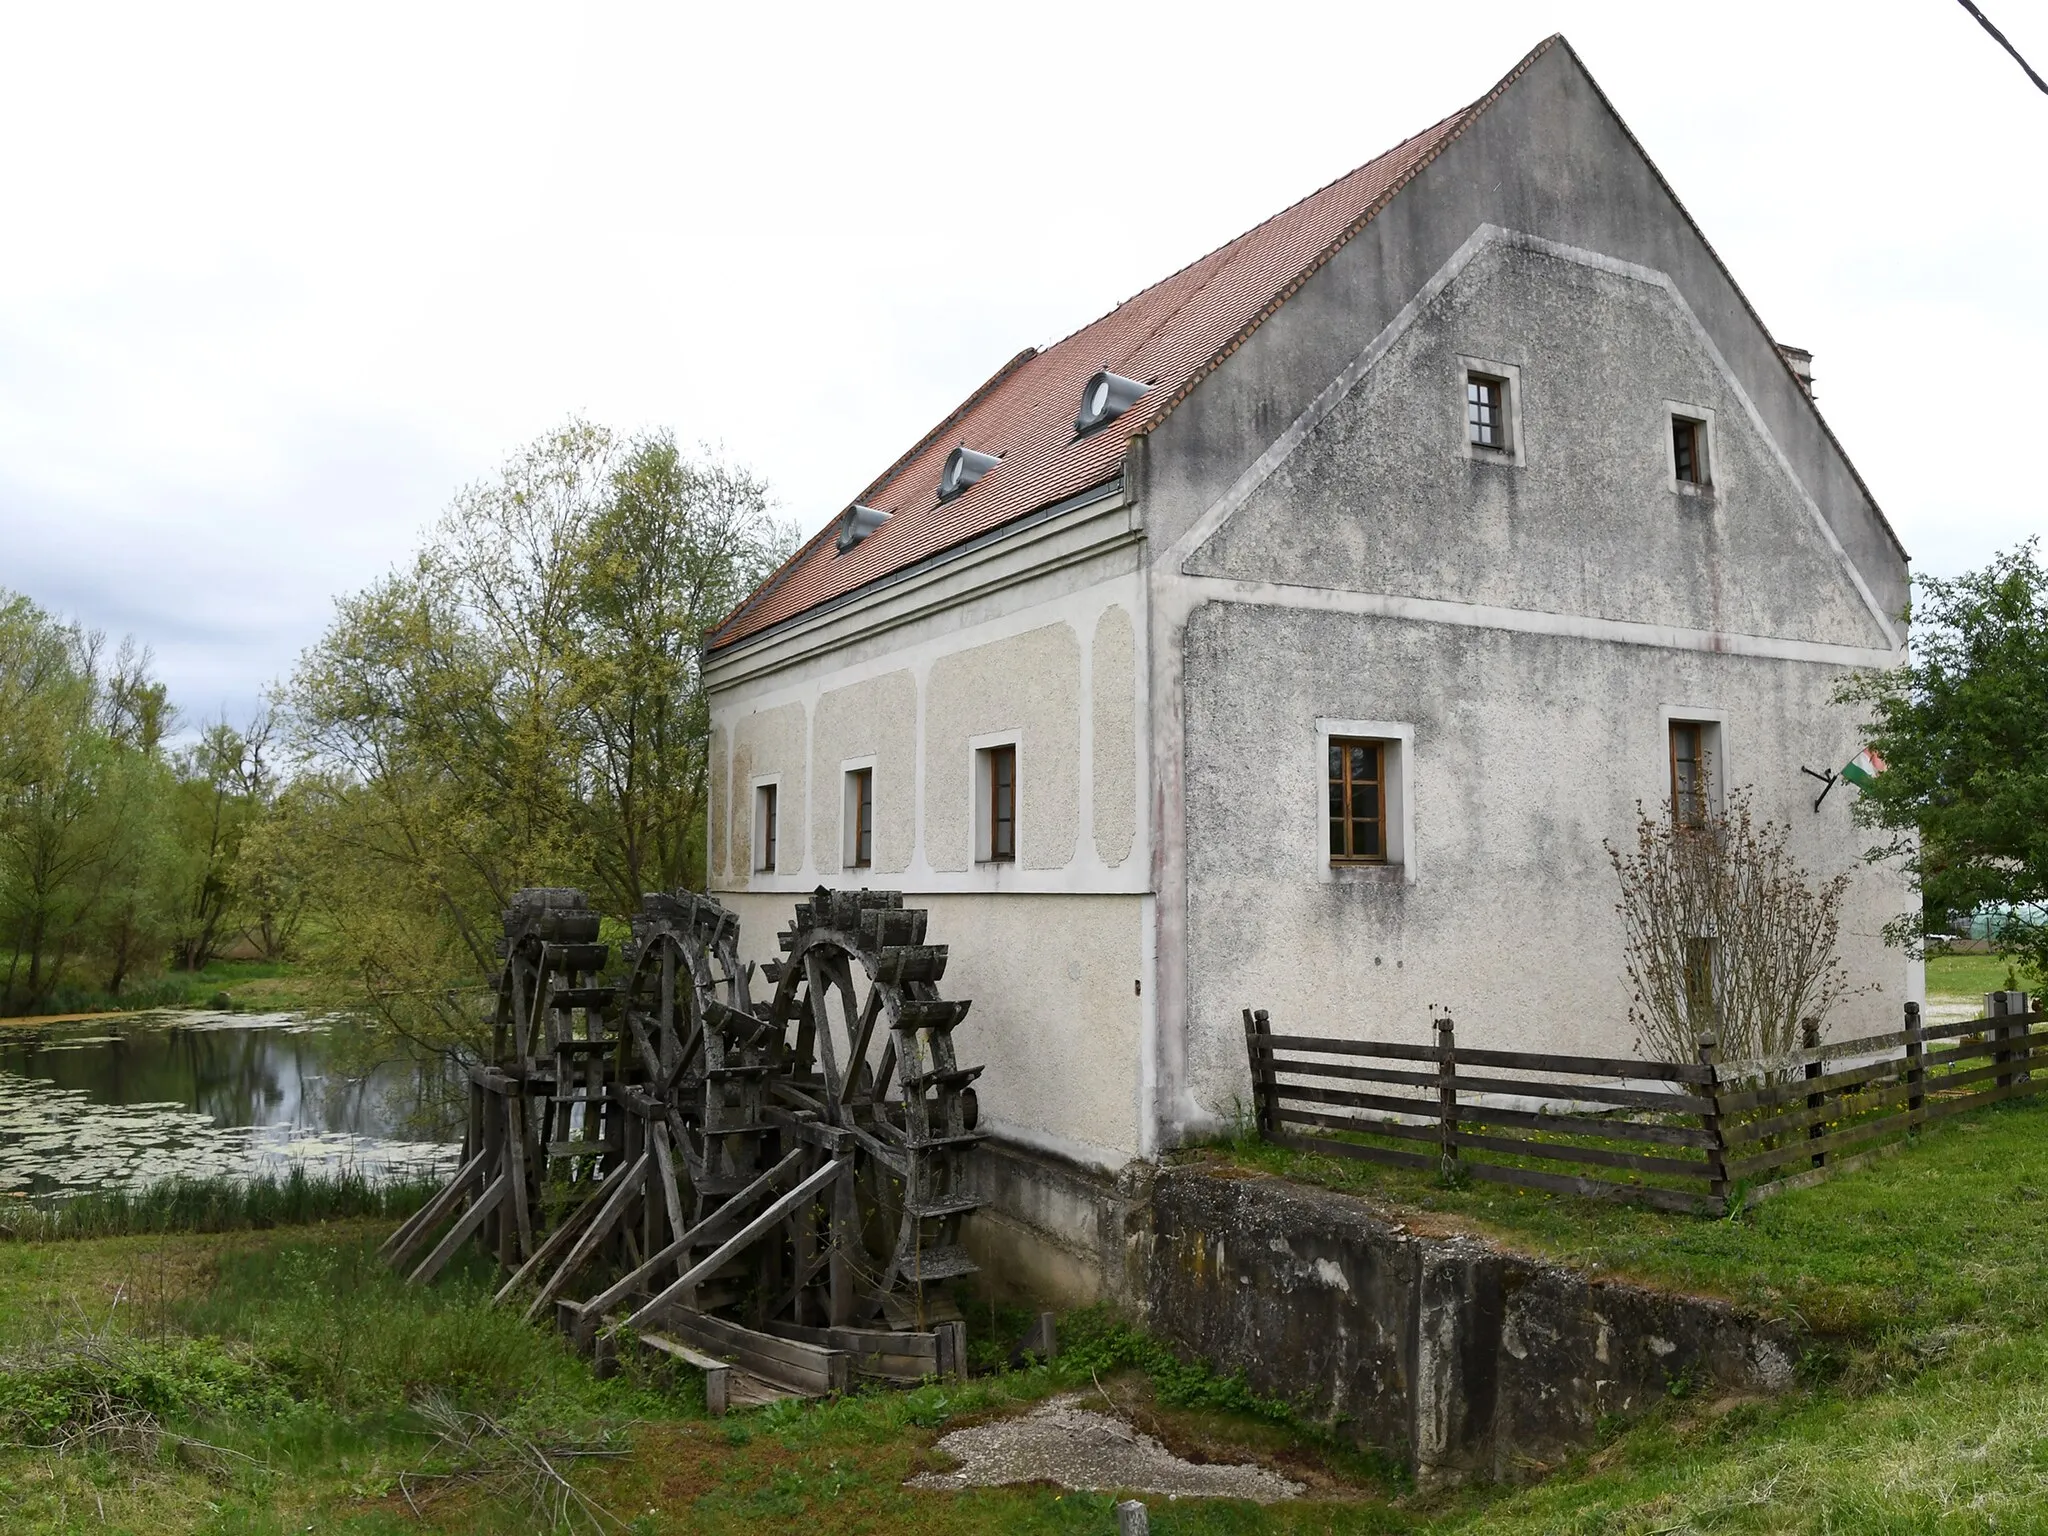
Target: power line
<point>1985,22</point>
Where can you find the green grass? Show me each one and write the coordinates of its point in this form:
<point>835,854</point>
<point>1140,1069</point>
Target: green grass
<point>247,984</point>
<point>214,1205</point>
<point>1973,975</point>
<point>1954,1225</point>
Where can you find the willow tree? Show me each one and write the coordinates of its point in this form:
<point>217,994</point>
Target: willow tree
<point>520,705</point>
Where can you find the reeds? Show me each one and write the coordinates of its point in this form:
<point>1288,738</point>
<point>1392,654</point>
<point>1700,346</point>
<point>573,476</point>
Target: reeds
<point>299,1197</point>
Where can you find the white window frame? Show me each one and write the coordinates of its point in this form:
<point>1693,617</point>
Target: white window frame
<point>1703,444</point>
<point>1399,767</point>
<point>1715,745</point>
<point>758,826</point>
<point>849,818</point>
<point>978,807</point>
<point>1510,374</point>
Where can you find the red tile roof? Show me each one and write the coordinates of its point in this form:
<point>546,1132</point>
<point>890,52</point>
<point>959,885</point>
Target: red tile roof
<point>1172,335</point>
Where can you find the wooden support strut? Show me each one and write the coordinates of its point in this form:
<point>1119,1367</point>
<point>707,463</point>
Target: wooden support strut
<point>614,1207</point>
<point>798,1197</point>
<point>461,1232</point>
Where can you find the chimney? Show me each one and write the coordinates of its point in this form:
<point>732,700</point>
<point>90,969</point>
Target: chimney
<point>1801,361</point>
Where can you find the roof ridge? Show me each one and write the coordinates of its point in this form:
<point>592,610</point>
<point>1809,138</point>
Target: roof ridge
<point>1464,118</point>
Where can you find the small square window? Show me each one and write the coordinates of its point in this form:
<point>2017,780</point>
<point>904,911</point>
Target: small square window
<point>1689,450</point>
<point>1486,411</point>
<point>765,829</point>
<point>860,818</point>
<point>1358,801</point>
<point>995,782</point>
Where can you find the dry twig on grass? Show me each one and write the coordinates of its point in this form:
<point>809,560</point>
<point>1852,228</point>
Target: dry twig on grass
<point>492,1455</point>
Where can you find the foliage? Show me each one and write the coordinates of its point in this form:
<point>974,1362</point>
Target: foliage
<point>1963,731</point>
<point>520,706</point>
<point>1726,934</point>
<point>216,1205</point>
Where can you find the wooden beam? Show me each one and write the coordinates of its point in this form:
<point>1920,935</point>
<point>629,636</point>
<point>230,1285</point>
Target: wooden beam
<point>432,1214</point>
<point>751,1233</point>
<point>621,1191</point>
<point>461,1232</point>
<point>556,1241</point>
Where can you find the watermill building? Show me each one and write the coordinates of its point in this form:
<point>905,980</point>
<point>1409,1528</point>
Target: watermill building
<point>1298,633</point>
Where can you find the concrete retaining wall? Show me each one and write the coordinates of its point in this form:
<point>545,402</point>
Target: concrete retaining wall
<point>1466,1362</point>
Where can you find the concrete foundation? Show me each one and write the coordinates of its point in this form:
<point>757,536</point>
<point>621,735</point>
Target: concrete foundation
<point>1463,1361</point>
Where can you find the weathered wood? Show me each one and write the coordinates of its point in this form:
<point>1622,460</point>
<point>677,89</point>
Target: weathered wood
<point>621,1192</point>
<point>1848,1136</point>
<point>1600,1189</point>
<point>464,1228</point>
<point>1322,1146</point>
<point>806,1190</point>
<point>884,1353</point>
<point>1470,1113</point>
<point>802,1367</point>
<point>515,1164</point>
<point>1344,1072</point>
<point>1585,1066</point>
<point>717,1372</point>
<point>400,1244</point>
<point>1366,1125</point>
<point>1603,1157</point>
<point>552,1244</point>
<point>1392,1050</point>
<point>1757,1194</point>
<point>1663,1102</point>
<point>1302,1093</point>
<point>1447,1098</point>
<point>1711,1120</point>
<point>1916,1051</point>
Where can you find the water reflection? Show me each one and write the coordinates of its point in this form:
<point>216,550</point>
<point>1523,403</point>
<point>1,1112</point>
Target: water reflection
<point>108,1103</point>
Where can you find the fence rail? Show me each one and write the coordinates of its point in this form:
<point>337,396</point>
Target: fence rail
<point>1695,1136</point>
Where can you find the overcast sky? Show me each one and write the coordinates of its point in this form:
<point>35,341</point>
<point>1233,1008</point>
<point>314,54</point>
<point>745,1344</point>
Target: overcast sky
<point>274,282</point>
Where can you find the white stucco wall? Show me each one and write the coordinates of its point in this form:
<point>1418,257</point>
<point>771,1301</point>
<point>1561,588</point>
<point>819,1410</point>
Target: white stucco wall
<point>768,742</point>
<point>876,720</point>
<point>1114,685</point>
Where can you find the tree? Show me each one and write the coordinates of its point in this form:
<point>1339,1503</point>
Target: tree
<point>519,706</point>
<point>225,785</point>
<point>1725,934</point>
<point>1962,731</point>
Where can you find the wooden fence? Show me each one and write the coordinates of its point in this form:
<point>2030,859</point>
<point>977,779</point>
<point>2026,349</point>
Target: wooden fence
<point>1695,1136</point>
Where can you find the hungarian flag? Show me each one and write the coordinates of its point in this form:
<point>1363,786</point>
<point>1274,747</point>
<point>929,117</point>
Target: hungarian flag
<point>1863,769</point>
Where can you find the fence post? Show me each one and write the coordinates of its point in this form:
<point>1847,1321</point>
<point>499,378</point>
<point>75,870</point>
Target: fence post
<point>1258,1029</point>
<point>1994,1008</point>
<point>1447,1095</point>
<point>1710,1120</point>
<point>1916,1048</point>
<point>1809,1040</point>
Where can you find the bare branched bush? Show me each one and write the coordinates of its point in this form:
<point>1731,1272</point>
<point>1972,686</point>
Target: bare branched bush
<point>1726,935</point>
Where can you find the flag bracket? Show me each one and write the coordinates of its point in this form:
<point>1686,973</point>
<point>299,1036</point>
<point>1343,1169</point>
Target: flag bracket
<point>1827,782</point>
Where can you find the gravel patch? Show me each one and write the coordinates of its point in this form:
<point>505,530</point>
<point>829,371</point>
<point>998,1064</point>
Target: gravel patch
<point>1063,1443</point>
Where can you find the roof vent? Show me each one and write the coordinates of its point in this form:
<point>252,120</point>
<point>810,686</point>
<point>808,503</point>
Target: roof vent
<point>1107,396</point>
<point>1802,365</point>
<point>857,522</point>
<point>963,467</point>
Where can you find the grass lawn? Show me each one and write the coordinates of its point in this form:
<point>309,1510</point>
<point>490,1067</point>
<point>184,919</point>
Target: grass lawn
<point>1972,976</point>
<point>282,1380</point>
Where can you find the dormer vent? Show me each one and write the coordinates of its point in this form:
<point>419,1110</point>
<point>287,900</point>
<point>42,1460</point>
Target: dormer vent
<point>1801,362</point>
<point>857,522</point>
<point>963,467</point>
<point>1106,397</point>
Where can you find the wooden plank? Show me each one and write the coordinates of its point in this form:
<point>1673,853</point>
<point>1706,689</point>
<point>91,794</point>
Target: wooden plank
<point>1795,1090</point>
<point>619,1194</point>
<point>713,1227</point>
<point>553,1244</point>
<point>515,1164</point>
<point>1813,1176</point>
<point>785,1362</point>
<point>1594,1093</point>
<point>1593,1156</point>
<point>1585,1066</point>
<point>1390,1103</point>
<point>1597,1189</point>
<point>1799,1119</point>
<point>1619,1130</point>
<point>717,1373</point>
<point>2021,1049</point>
<point>429,1216</point>
<point>671,1194</point>
<point>1941,1109</point>
<point>805,1191</point>
<point>1342,1070</point>
<point>1802,1150</point>
<point>1977,1025</point>
<point>1364,1125</point>
<point>884,1353</point>
<point>460,1233</point>
<point>1392,1050</point>
<point>1327,1148</point>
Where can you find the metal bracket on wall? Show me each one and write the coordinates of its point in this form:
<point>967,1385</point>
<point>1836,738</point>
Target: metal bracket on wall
<point>1827,782</point>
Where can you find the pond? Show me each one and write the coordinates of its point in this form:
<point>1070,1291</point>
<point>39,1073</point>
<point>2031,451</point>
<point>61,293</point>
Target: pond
<point>134,1099</point>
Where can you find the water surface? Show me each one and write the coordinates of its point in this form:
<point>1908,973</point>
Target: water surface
<point>128,1101</point>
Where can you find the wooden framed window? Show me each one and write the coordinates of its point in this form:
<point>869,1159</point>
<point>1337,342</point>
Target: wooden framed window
<point>1688,451</point>
<point>1358,801</point>
<point>1486,411</point>
<point>860,817</point>
<point>1689,747</point>
<point>1000,778</point>
<point>765,828</point>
